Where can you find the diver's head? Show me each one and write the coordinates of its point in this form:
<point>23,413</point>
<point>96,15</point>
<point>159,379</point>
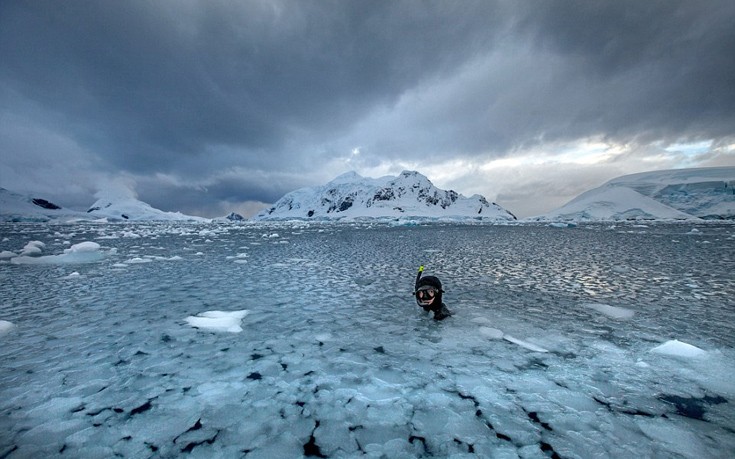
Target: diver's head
<point>428,292</point>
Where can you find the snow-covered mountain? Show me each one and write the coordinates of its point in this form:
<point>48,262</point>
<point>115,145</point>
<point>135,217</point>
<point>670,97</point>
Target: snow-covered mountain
<point>123,207</point>
<point>706,193</point>
<point>408,195</point>
<point>15,207</point>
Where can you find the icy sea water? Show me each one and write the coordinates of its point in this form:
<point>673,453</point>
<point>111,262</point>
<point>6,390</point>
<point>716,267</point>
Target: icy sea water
<point>594,341</point>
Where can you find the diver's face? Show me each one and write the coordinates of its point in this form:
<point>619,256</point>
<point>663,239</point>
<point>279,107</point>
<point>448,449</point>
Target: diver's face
<point>426,295</point>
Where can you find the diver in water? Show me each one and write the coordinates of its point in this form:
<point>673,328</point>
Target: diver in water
<point>428,292</point>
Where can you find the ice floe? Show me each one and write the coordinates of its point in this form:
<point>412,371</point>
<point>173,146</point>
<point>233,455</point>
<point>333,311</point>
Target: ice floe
<point>524,344</point>
<point>6,327</point>
<point>611,311</point>
<point>676,348</point>
<point>83,252</point>
<point>218,321</point>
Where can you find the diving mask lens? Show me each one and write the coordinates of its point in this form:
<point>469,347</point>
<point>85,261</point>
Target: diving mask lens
<point>425,295</point>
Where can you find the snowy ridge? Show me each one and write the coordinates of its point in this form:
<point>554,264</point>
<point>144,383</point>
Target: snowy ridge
<point>128,208</point>
<point>15,207</point>
<point>110,206</point>
<point>408,195</point>
<point>683,194</point>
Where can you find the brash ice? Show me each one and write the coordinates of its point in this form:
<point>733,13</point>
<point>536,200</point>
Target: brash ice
<point>304,340</point>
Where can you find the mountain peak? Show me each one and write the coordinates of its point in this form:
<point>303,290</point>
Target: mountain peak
<point>350,176</point>
<point>409,194</point>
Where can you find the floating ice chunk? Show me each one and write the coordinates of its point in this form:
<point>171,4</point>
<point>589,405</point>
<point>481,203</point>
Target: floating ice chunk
<point>138,260</point>
<point>32,249</point>
<point>82,247</point>
<point>6,327</point>
<point>74,275</point>
<point>5,255</point>
<point>84,252</point>
<point>323,337</point>
<point>492,333</point>
<point>676,348</point>
<point>239,258</point>
<point>526,344</point>
<point>218,321</point>
<point>611,311</point>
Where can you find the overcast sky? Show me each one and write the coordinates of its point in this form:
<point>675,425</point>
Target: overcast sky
<point>208,107</point>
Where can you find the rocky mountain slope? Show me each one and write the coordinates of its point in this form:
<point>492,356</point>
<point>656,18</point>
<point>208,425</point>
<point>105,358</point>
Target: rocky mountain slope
<point>410,194</point>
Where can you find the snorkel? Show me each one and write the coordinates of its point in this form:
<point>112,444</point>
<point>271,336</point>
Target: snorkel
<point>418,276</point>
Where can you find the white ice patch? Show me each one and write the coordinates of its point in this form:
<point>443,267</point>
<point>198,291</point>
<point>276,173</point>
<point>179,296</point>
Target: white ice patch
<point>526,344</point>
<point>239,258</point>
<point>218,321</point>
<point>84,252</point>
<point>323,337</point>
<point>33,249</point>
<point>611,311</point>
<point>492,333</point>
<point>671,437</point>
<point>676,348</point>
<point>6,255</point>
<point>83,247</point>
<point>6,327</point>
<point>138,260</point>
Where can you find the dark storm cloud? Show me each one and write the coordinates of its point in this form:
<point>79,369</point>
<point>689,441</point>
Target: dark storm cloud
<point>153,80</point>
<point>628,71</point>
<point>193,90</point>
<point>666,65</point>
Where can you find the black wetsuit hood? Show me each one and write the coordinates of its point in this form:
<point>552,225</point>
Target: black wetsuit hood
<point>433,282</point>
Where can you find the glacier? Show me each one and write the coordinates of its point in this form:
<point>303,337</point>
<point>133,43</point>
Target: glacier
<point>302,339</point>
<point>681,194</point>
